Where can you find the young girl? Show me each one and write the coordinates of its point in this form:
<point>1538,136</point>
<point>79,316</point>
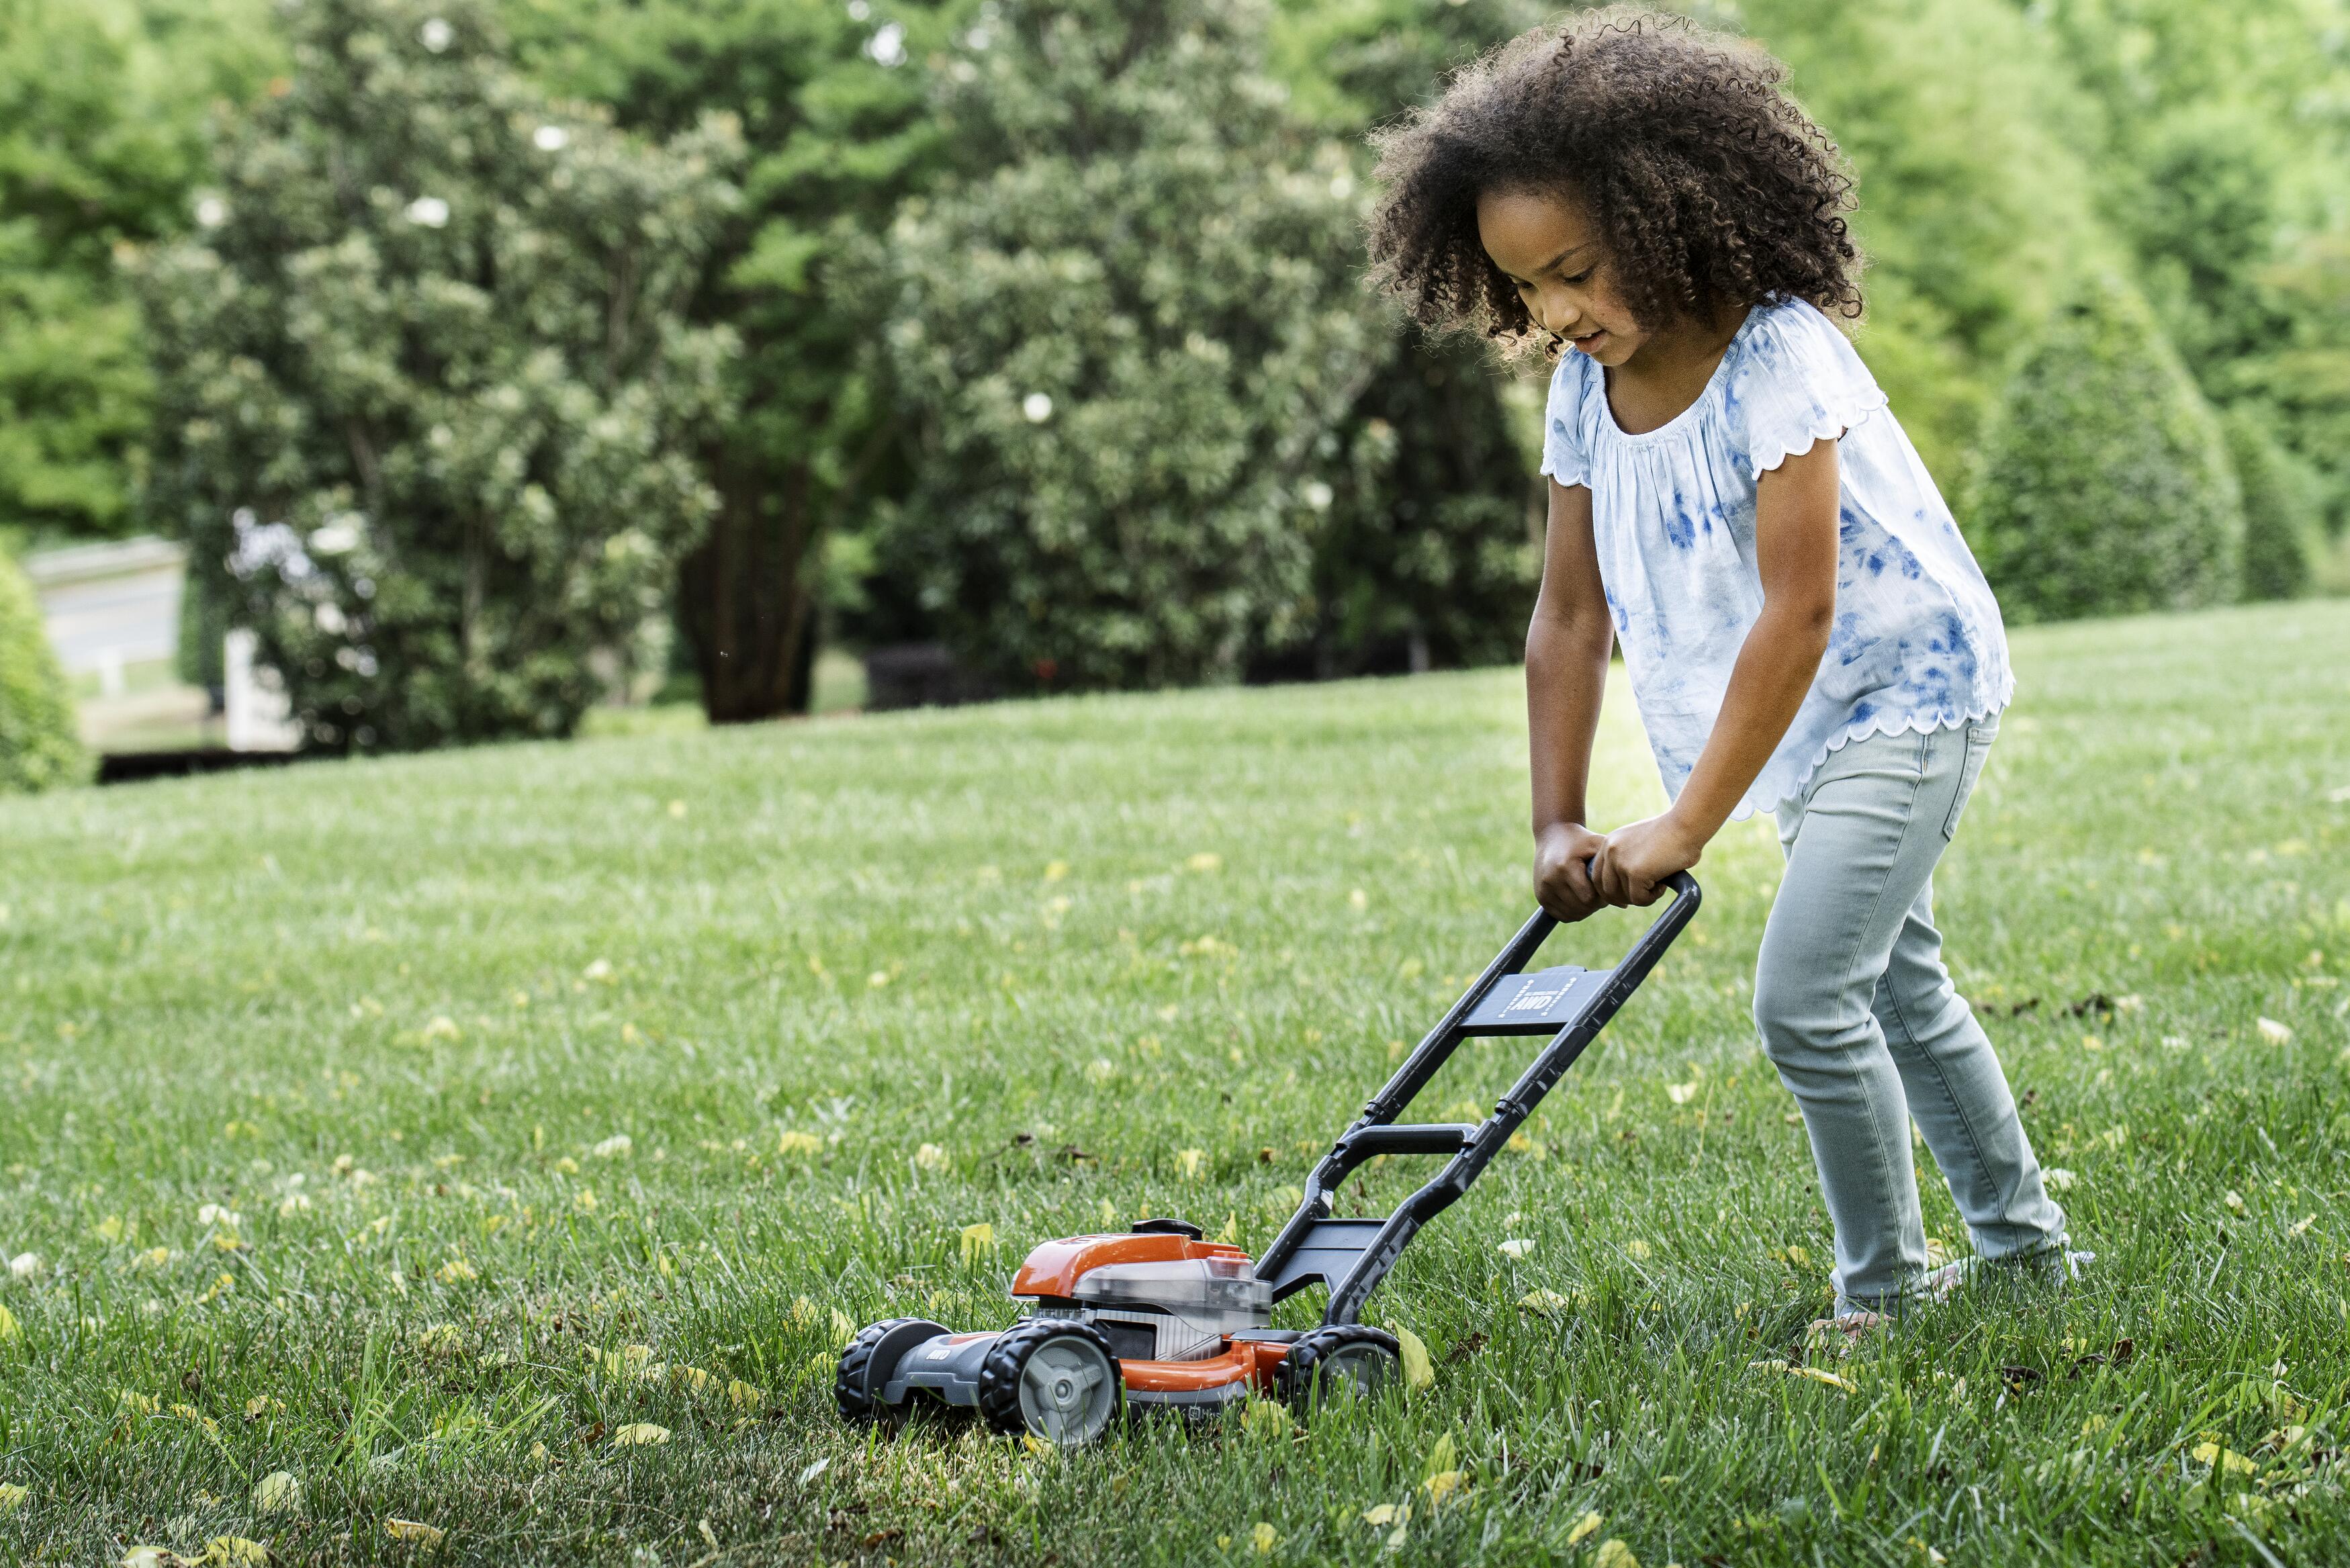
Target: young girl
<point>1732,502</point>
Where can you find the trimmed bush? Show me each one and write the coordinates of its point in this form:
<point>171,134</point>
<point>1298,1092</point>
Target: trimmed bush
<point>39,747</point>
<point>2104,486</point>
<point>2283,538</point>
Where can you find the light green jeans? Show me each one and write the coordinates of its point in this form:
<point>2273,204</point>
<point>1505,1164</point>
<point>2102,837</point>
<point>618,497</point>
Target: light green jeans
<point>1860,1018</point>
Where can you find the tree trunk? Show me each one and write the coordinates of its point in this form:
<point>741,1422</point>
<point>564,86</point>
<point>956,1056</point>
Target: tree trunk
<point>747,602</point>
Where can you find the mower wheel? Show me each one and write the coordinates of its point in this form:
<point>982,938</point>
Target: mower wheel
<point>1336,1359</point>
<point>871,1360</point>
<point>1057,1379</point>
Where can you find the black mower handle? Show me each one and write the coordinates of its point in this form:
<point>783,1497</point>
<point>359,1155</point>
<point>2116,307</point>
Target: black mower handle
<point>1472,1148</point>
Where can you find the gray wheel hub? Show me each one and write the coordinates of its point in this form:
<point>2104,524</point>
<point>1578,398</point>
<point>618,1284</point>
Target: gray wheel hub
<point>1067,1391</point>
<point>1356,1369</point>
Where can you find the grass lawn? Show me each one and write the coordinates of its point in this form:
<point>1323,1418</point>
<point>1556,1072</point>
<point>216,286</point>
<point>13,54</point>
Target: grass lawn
<point>415,1127</point>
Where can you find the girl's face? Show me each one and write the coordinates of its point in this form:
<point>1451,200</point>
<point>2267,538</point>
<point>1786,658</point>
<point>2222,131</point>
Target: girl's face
<point>1550,250</point>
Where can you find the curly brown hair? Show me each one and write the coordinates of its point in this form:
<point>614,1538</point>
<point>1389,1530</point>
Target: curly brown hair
<point>1708,186</point>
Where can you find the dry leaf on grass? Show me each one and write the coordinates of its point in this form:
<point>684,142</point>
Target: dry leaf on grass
<point>1822,1375</point>
<point>1419,1371</point>
<point>277,1492</point>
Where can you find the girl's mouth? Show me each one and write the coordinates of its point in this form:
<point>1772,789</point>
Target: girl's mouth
<point>1589,340</point>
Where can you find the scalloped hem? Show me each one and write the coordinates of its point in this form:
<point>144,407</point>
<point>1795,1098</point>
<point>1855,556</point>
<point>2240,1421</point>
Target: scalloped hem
<point>1885,724</point>
<point>1826,428</point>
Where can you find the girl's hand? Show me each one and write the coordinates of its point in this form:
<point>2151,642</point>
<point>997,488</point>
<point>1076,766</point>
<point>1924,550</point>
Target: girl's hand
<point>1636,861</point>
<point>1562,879</point>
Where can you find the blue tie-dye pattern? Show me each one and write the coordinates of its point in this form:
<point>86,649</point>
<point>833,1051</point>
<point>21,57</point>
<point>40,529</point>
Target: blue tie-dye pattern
<point>1916,643</point>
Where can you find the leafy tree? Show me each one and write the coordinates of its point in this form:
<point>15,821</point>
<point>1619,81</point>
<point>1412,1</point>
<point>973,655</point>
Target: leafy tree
<point>428,408</point>
<point>1119,340</point>
<point>39,747</point>
<point>2105,485</point>
<point>834,109</point>
<point>2283,541</point>
<point>1975,211</point>
<point>2223,152</point>
<point>1424,558</point>
<point>1429,552</point>
<point>101,140</point>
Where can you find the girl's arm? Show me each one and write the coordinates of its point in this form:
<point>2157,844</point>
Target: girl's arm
<point>1795,555</point>
<point>1566,674</point>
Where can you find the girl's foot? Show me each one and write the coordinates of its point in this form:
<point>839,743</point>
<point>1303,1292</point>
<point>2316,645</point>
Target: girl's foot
<point>2058,1264</point>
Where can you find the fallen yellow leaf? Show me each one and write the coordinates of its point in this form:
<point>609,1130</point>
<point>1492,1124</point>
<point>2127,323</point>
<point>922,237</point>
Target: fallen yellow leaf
<point>1822,1375</point>
<point>277,1492</point>
<point>1441,1485</point>
<point>1264,1537</point>
<point>11,1496</point>
<point>415,1532</point>
<point>235,1552</point>
<point>2225,1461</point>
<point>978,1240</point>
<point>1614,1553</point>
<point>1419,1371</point>
<point>640,1434</point>
<point>798,1143</point>
<point>1586,1527</point>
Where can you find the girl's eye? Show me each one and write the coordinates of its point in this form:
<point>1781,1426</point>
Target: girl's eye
<point>1583,276</point>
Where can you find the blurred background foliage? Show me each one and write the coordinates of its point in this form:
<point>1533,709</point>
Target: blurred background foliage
<point>2058,196</point>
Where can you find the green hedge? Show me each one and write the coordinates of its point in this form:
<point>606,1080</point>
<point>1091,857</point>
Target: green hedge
<point>2283,536</point>
<point>2103,485</point>
<point>39,748</point>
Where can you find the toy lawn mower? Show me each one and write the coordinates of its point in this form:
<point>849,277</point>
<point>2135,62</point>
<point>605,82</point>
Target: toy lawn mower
<point>1160,1317</point>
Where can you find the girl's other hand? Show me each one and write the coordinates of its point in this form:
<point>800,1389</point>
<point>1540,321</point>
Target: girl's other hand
<point>1634,861</point>
<point>1562,875</point>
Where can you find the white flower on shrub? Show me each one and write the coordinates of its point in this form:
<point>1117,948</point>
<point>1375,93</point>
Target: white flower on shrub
<point>1320,496</point>
<point>550,139</point>
<point>1037,406</point>
<point>212,212</point>
<point>436,35</point>
<point>335,538</point>
<point>887,46</point>
<point>429,211</point>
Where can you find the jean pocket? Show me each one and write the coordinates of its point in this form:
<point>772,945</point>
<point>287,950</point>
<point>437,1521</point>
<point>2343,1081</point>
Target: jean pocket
<point>1978,744</point>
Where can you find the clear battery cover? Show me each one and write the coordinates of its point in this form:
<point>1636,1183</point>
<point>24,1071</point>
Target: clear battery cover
<point>1189,1306</point>
<point>1196,1287</point>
